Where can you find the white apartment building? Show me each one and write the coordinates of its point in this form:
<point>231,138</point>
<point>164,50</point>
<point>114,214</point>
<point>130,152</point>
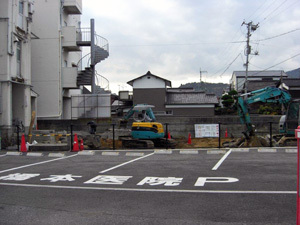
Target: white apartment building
<point>58,72</point>
<point>41,67</point>
<point>17,99</point>
<point>55,55</point>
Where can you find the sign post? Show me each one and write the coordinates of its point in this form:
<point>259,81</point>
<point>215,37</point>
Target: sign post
<point>206,130</point>
<point>297,136</point>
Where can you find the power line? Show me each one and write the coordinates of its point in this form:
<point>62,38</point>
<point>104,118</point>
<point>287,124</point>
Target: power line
<point>294,56</point>
<point>274,10</point>
<point>279,35</point>
<point>257,10</point>
<point>176,44</point>
<point>230,64</point>
<point>283,61</point>
<point>265,10</point>
<point>289,6</point>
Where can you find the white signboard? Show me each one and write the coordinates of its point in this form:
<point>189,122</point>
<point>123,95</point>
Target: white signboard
<point>206,130</point>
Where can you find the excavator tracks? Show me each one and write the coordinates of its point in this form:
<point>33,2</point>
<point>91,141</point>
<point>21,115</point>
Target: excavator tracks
<point>136,143</point>
<point>148,144</point>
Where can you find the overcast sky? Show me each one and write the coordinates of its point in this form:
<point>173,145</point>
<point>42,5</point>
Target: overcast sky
<point>175,38</point>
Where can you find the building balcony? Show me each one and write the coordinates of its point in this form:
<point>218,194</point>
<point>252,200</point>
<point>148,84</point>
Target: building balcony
<point>70,38</point>
<point>69,77</point>
<point>73,6</point>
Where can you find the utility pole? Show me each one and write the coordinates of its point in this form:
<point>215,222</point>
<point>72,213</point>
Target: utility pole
<point>251,28</point>
<point>92,23</point>
<point>201,71</point>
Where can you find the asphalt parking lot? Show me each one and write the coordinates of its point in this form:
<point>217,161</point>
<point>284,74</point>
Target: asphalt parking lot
<point>232,186</point>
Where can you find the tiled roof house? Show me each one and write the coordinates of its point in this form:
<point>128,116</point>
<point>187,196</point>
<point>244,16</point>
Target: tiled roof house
<point>153,90</point>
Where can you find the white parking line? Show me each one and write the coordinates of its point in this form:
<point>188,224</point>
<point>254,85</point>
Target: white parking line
<point>221,160</point>
<point>2,155</point>
<point>123,164</point>
<point>34,164</point>
<point>150,190</point>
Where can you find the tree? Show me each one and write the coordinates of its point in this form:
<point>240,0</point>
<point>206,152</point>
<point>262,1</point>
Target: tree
<point>229,99</point>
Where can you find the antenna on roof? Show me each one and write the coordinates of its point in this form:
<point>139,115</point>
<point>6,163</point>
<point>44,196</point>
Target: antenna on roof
<point>201,71</point>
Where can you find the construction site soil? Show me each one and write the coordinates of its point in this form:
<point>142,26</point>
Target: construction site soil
<point>181,143</point>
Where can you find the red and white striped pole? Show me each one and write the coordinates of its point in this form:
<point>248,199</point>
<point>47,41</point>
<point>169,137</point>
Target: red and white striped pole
<point>297,135</point>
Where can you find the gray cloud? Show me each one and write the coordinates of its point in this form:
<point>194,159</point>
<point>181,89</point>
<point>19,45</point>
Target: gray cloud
<point>173,39</point>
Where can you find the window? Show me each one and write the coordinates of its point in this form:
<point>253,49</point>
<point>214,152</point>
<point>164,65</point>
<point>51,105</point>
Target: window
<point>21,14</point>
<point>21,8</point>
<point>19,55</point>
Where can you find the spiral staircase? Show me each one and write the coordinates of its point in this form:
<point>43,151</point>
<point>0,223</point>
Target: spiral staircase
<point>101,52</point>
<point>87,105</point>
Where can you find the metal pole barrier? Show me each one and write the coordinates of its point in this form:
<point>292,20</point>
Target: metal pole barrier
<point>298,181</point>
<point>18,138</point>
<point>271,134</point>
<point>71,146</point>
<point>114,147</point>
<point>297,136</point>
<point>219,135</point>
<point>166,134</point>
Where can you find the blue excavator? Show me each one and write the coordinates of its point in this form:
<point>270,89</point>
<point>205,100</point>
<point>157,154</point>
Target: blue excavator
<point>145,131</point>
<point>287,124</point>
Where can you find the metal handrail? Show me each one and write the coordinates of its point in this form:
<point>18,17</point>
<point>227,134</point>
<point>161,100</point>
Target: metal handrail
<point>101,42</point>
<point>98,81</point>
<point>85,34</point>
<point>79,64</point>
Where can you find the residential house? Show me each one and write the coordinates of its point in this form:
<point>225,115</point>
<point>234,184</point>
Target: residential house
<point>254,85</point>
<point>238,78</point>
<point>150,89</point>
<point>154,90</point>
<point>293,85</point>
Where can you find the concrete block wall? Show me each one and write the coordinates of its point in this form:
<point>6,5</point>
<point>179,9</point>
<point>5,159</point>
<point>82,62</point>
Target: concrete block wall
<point>179,127</point>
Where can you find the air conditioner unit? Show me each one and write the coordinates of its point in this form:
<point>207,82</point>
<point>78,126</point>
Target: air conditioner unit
<point>30,8</point>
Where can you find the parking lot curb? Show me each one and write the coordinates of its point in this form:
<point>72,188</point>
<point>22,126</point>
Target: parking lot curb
<point>189,152</point>
<point>141,152</point>
<point>240,150</point>
<point>134,154</point>
<point>214,152</point>
<point>34,154</point>
<point>86,153</point>
<point>56,155</point>
<point>268,150</point>
<point>163,152</point>
<point>111,153</point>
<point>13,153</point>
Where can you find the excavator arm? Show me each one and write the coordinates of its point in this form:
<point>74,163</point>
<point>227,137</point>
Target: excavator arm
<point>268,94</point>
<point>141,113</point>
